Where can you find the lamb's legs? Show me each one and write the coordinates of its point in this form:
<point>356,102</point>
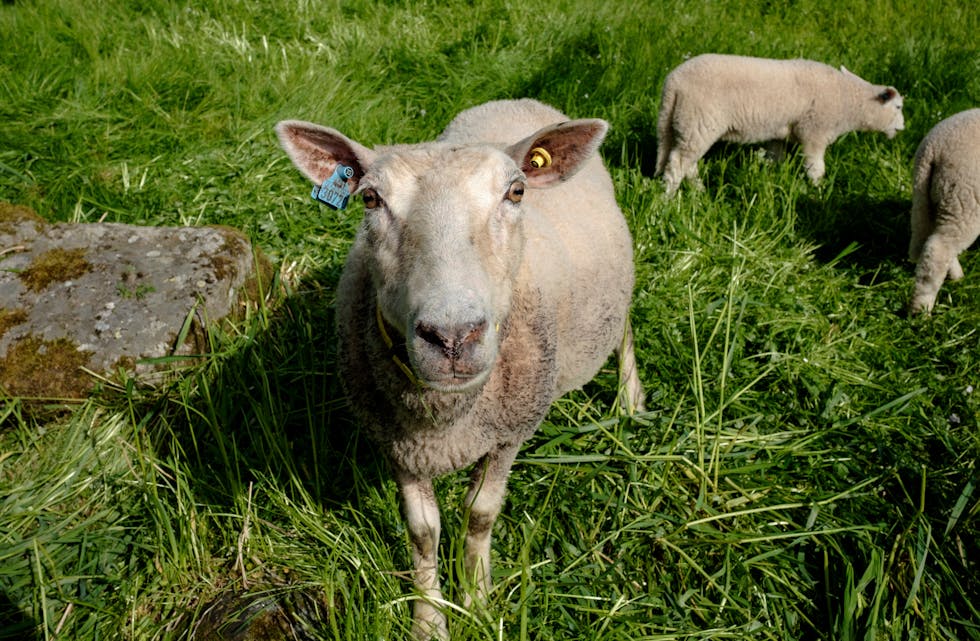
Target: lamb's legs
<point>921,224</point>
<point>934,264</point>
<point>938,260</point>
<point>629,379</point>
<point>682,163</point>
<point>422,515</point>
<point>813,153</point>
<point>484,500</point>
<point>955,271</point>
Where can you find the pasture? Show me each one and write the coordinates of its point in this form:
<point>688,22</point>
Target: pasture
<point>807,466</point>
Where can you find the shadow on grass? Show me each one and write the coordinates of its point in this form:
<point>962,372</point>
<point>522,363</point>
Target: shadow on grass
<point>268,412</point>
<point>880,227</point>
<point>280,410</point>
<point>14,624</point>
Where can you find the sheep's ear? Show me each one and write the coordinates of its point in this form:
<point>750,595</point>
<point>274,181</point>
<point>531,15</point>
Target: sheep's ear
<point>888,94</point>
<point>844,70</point>
<point>555,153</point>
<point>316,150</point>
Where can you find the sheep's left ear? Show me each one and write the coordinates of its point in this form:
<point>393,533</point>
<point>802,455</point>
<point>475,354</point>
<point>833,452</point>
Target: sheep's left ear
<point>555,153</point>
<point>888,94</point>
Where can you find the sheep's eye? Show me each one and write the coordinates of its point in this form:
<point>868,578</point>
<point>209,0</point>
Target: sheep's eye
<point>515,192</point>
<point>371,199</point>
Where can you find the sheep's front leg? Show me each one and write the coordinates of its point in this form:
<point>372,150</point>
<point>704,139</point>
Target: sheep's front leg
<point>422,514</point>
<point>486,496</point>
<point>813,152</point>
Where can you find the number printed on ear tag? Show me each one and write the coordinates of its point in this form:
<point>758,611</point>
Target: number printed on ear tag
<point>335,192</point>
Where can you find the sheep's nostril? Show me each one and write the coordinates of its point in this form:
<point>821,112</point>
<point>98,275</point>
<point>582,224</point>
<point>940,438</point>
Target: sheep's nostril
<point>433,335</point>
<point>473,332</point>
<point>451,340</point>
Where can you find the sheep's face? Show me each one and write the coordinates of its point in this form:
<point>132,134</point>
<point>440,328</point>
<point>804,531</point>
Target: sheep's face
<point>444,234</point>
<point>888,117</point>
<point>445,231</point>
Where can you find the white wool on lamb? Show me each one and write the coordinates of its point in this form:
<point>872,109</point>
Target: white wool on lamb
<point>492,273</point>
<point>945,216</point>
<point>741,99</point>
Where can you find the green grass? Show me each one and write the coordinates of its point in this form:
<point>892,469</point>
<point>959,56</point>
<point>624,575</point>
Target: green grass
<point>808,464</point>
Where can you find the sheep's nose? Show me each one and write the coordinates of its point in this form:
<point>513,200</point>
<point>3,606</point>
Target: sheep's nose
<point>451,340</point>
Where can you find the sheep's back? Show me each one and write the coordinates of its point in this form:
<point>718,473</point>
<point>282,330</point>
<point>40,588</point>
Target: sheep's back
<point>753,92</point>
<point>949,156</point>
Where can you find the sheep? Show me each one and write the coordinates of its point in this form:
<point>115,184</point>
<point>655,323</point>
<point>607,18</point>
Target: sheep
<point>492,273</point>
<point>945,216</point>
<point>715,97</point>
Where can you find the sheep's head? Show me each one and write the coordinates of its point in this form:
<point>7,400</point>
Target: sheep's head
<point>881,106</point>
<point>444,229</point>
<point>888,107</point>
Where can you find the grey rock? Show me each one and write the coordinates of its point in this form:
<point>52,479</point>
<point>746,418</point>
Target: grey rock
<point>78,299</point>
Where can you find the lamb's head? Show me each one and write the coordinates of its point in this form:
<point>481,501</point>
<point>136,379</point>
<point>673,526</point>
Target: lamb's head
<point>886,111</point>
<point>881,106</point>
<point>443,231</point>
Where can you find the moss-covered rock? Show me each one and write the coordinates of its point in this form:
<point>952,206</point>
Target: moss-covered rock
<point>105,297</point>
<point>18,220</point>
<point>35,368</point>
<point>56,265</point>
<point>11,317</point>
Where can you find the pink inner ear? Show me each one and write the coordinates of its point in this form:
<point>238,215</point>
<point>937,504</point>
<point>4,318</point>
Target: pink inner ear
<point>322,154</point>
<point>570,144</point>
<point>545,175</point>
<point>323,164</point>
<point>316,151</point>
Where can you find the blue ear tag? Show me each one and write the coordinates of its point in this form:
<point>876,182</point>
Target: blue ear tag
<point>335,192</point>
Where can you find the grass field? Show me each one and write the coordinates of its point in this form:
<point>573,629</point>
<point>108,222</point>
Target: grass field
<point>808,464</point>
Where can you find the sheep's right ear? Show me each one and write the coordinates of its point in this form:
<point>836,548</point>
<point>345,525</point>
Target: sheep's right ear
<point>889,93</point>
<point>555,153</point>
<point>316,150</point>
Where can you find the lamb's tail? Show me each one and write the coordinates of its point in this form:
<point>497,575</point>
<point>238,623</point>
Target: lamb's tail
<point>922,219</point>
<point>665,126</point>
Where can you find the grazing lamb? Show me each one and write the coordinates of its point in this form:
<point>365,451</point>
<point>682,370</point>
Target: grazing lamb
<point>492,273</point>
<point>945,204</point>
<point>715,97</point>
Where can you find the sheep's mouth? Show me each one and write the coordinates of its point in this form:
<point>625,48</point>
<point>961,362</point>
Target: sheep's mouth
<point>456,382</point>
<point>449,375</point>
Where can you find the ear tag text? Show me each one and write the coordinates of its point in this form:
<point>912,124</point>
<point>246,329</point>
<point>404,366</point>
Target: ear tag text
<point>335,191</point>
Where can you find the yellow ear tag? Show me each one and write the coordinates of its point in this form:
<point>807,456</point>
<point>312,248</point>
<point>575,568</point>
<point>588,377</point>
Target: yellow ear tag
<point>540,158</point>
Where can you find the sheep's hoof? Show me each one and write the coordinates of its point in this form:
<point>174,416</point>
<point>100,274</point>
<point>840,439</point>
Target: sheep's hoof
<point>430,628</point>
<point>919,309</point>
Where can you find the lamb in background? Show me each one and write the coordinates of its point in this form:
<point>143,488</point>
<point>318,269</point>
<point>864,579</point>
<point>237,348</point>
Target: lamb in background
<point>492,273</point>
<point>945,204</point>
<point>715,97</point>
